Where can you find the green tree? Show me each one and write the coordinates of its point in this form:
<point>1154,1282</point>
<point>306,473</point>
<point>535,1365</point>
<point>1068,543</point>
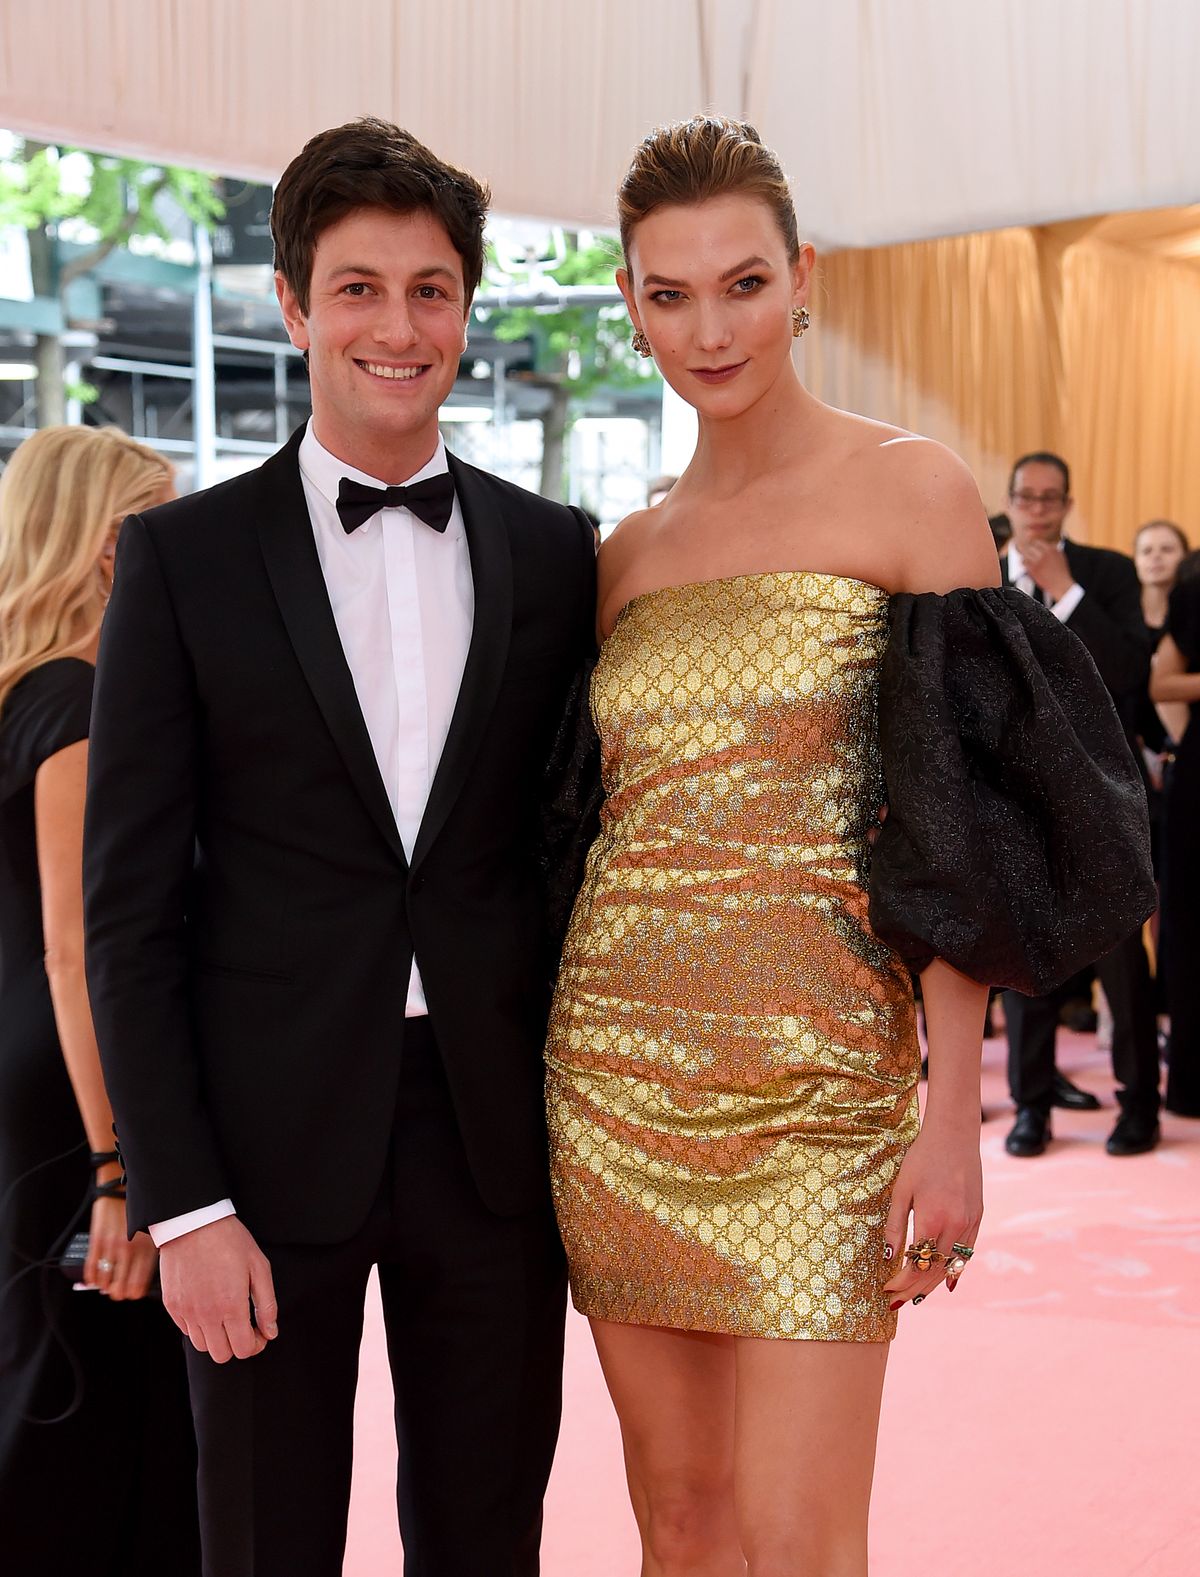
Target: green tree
<point>116,199</point>
<point>577,348</point>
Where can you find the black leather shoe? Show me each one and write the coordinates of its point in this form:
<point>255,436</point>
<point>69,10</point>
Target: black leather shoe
<point>1070,1097</point>
<point>1030,1134</point>
<point>1133,1135</point>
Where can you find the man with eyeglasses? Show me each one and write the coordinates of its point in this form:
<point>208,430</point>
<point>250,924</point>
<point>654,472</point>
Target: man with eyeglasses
<point>1095,592</point>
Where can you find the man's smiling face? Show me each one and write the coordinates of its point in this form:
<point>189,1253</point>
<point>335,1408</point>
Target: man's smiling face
<point>384,331</point>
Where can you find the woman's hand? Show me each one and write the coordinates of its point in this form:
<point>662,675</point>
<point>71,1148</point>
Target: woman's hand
<point>130,1262</point>
<point>940,1183</point>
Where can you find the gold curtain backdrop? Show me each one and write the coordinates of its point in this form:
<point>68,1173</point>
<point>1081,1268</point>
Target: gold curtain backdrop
<point>1083,338</point>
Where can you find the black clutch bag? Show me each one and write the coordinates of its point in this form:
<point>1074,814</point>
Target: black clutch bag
<point>74,1257</point>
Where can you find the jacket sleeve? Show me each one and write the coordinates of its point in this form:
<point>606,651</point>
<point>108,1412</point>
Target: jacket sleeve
<point>1109,623</point>
<point>1016,844</point>
<point>572,791</point>
<point>139,852</point>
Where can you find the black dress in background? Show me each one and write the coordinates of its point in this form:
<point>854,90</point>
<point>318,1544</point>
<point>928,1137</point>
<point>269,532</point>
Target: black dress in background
<point>1181,874</point>
<point>1153,736</point>
<point>111,1488</point>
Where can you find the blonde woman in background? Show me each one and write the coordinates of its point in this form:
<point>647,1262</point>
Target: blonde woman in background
<point>96,1443</point>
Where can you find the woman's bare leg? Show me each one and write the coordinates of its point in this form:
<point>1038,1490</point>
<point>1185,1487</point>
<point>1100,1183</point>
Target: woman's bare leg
<point>806,1422</point>
<point>674,1396</point>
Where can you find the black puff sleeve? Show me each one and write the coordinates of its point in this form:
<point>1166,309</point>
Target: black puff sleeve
<point>1017,843</point>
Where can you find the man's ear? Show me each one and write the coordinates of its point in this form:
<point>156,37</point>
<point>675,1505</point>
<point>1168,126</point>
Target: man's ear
<point>294,320</point>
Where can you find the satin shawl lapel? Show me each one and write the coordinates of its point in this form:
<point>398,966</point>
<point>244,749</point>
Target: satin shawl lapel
<point>286,537</point>
<point>491,629</point>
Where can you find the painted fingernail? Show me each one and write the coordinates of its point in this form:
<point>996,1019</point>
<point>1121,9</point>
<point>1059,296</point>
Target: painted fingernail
<point>888,1251</point>
<point>950,1286</point>
<point>920,1298</point>
<point>899,1304</point>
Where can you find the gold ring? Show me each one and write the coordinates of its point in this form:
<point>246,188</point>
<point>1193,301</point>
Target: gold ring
<point>955,1266</point>
<point>923,1254</point>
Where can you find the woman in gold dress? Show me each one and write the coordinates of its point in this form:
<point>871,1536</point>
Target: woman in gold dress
<point>732,1061</point>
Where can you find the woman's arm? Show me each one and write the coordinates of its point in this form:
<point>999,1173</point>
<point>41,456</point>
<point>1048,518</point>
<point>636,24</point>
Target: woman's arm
<point>59,790</point>
<point>1170,682</point>
<point>940,1183</point>
<point>954,1012</point>
<point>946,544</point>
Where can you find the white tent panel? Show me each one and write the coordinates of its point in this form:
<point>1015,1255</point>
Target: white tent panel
<point>898,119</point>
<point>903,121</point>
<point>544,99</point>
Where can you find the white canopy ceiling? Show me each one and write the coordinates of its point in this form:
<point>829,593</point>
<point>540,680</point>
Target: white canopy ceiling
<point>897,119</point>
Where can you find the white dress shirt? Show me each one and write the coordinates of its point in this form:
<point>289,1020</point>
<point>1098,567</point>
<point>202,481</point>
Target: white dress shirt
<point>1020,577</point>
<point>404,603</point>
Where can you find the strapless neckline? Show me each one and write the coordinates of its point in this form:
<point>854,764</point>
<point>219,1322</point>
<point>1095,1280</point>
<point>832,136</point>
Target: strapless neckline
<point>737,580</point>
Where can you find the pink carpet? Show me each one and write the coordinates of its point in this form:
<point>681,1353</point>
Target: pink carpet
<point>1064,1440</point>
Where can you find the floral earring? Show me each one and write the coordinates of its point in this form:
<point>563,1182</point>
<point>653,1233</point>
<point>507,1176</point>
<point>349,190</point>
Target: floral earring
<point>640,343</point>
<point>800,321</point>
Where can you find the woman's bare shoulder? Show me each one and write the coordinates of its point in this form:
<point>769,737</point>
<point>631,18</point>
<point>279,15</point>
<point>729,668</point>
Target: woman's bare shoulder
<point>933,514</point>
<point>625,544</point>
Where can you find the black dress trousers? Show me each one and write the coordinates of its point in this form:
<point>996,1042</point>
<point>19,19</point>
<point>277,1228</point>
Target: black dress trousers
<point>1033,1022</point>
<point>474,1307</point>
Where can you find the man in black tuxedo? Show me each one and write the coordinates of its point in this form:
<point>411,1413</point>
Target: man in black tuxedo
<point>1095,592</point>
<point>316,945</point>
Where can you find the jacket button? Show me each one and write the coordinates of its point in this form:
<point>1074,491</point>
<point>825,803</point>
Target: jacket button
<point>417,883</point>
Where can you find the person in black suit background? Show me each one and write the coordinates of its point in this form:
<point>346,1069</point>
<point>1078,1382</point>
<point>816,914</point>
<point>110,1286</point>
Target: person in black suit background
<point>1176,682</point>
<point>316,928</point>
<point>1095,592</point>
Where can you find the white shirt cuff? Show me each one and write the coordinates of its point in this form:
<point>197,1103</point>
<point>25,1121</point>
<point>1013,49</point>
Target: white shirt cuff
<point>1068,602</point>
<point>165,1231</point>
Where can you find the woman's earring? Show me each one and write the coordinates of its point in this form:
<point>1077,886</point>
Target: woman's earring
<point>640,343</point>
<point>800,321</point>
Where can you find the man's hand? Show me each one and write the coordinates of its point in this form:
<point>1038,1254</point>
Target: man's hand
<point>210,1277</point>
<point>1049,568</point>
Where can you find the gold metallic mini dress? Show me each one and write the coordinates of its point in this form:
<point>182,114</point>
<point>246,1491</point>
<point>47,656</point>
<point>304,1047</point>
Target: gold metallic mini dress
<point>732,1060</point>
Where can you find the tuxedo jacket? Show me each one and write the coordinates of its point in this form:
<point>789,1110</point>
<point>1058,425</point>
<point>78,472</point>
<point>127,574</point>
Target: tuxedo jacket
<point>1109,621</point>
<point>252,914</point>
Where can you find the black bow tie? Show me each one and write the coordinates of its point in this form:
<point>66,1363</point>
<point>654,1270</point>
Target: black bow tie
<point>431,500</point>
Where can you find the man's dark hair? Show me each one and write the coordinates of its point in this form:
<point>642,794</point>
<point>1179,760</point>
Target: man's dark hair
<point>370,163</point>
<point>1042,457</point>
